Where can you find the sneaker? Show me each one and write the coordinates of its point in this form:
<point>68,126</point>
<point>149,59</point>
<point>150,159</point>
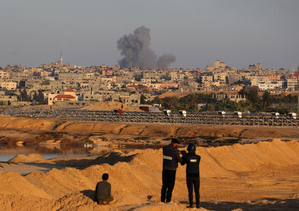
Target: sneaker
<point>190,206</point>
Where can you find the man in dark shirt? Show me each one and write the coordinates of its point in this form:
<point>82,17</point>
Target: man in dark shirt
<point>192,170</point>
<point>171,157</point>
<point>103,191</point>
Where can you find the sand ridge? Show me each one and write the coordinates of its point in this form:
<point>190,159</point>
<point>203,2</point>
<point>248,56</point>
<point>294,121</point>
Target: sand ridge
<point>36,130</point>
<point>232,177</point>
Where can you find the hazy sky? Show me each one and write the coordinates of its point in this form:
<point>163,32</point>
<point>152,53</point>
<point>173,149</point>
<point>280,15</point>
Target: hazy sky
<point>239,32</point>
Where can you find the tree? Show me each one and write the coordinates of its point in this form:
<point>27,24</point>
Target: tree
<point>210,107</point>
<point>143,99</point>
<point>39,97</point>
<point>157,100</point>
<point>266,101</point>
<point>244,105</point>
<point>223,105</point>
<point>126,82</point>
<point>254,100</point>
<point>24,96</point>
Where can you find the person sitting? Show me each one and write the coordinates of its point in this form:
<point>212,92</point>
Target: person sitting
<point>103,191</point>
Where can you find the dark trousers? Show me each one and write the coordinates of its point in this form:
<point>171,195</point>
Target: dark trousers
<point>168,179</point>
<point>193,182</point>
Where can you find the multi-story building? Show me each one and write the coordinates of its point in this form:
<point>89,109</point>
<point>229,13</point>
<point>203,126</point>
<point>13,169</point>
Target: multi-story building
<point>4,75</point>
<point>292,84</point>
<point>255,69</point>
<point>9,85</point>
<point>269,85</point>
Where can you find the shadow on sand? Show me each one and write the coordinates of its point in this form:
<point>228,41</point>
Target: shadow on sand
<point>269,205</point>
<point>110,158</point>
<point>89,193</point>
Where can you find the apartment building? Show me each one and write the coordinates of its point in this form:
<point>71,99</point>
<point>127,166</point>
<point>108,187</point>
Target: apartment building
<point>9,85</point>
<point>4,75</point>
<point>292,84</point>
<point>269,85</point>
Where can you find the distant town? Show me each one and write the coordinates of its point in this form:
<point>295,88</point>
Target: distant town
<point>71,85</point>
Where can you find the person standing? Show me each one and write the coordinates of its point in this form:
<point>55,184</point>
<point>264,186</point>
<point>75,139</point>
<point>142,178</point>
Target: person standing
<point>192,171</point>
<point>171,157</point>
<point>103,191</point>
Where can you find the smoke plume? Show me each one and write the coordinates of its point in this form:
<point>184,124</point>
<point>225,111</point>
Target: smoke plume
<point>137,53</point>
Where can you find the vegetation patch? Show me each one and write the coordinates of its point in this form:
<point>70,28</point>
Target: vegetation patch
<point>143,138</point>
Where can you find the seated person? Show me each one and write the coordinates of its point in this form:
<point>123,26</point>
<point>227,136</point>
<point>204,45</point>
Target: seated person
<point>103,191</point>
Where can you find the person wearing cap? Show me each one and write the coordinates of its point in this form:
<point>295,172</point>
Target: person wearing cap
<point>103,191</point>
<point>192,173</point>
<point>171,157</point>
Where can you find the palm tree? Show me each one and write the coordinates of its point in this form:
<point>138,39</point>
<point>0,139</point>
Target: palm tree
<point>243,105</point>
<point>266,101</point>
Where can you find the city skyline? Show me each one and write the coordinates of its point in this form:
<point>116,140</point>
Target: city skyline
<point>238,32</point>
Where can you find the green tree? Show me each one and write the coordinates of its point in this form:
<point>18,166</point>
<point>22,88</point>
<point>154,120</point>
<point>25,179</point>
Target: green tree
<point>23,95</point>
<point>126,82</point>
<point>244,105</point>
<point>39,97</point>
<point>157,100</point>
<point>266,101</point>
<point>222,105</point>
<point>210,107</point>
<point>254,100</point>
<point>143,99</point>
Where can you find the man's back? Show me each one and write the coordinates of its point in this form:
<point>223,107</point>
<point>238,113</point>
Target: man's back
<point>192,161</point>
<point>171,157</point>
<point>103,191</point>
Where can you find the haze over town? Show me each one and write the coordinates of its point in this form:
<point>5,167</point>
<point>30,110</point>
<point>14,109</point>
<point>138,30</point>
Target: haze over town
<point>239,32</point>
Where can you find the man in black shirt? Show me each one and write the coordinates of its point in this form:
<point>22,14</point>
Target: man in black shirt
<point>103,191</point>
<point>171,157</point>
<point>192,160</point>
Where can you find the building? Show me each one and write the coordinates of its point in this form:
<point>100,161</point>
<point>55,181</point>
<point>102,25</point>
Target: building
<point>292,84</point>
<point>57,98</point>
<point>9,85</point>
<point>255,68</point>
<point>63,98</point>
<point>232,97</point>
<point>4,75</point>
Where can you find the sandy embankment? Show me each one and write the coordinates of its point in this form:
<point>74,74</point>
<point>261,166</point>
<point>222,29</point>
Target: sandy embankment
<point>35,130</point>
<point>263,176</point>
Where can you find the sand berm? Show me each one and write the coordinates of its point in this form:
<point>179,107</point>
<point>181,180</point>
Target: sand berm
<point>262,176</point>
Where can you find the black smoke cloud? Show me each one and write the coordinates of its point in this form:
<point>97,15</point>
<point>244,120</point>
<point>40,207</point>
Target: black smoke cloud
<point>137,53</point>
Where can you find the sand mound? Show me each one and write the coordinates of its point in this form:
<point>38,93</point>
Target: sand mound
<point>136,179</point>
<point>27,158</point>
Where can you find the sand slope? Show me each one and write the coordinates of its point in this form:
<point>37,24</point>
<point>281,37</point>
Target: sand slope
<point>35,125</point>
<point>235,177</point>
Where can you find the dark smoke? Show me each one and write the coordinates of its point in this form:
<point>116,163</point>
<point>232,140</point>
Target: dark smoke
<point>135,49</point>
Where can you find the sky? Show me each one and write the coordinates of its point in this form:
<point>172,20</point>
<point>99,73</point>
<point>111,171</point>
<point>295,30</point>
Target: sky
<point>196,32</point>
